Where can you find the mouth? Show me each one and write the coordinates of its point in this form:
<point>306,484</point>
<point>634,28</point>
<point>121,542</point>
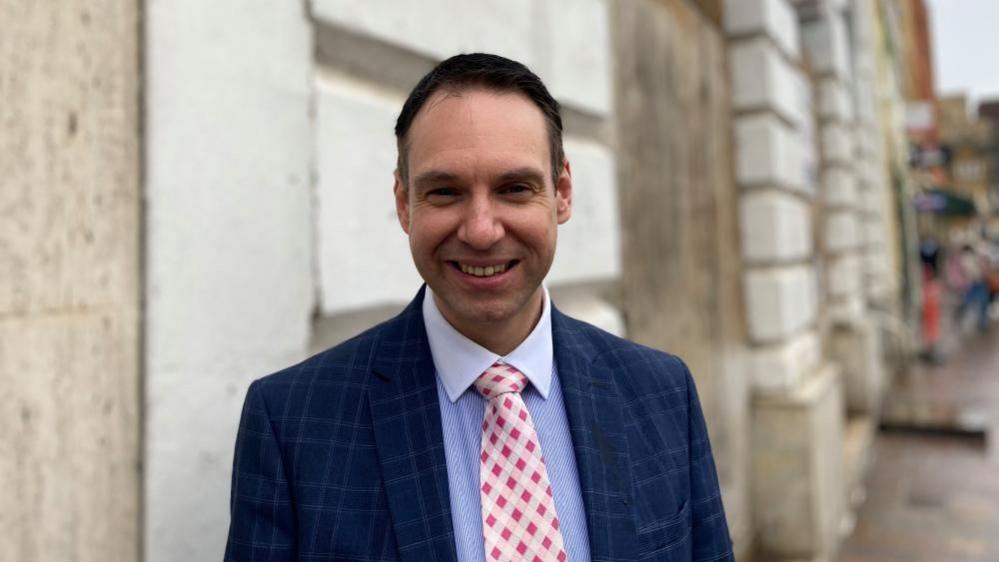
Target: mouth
<point>487,270</point>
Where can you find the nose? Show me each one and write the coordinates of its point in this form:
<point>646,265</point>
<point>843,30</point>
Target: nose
<point>480,227</point>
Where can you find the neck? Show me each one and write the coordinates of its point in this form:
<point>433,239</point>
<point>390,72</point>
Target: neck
<point>502,336</point>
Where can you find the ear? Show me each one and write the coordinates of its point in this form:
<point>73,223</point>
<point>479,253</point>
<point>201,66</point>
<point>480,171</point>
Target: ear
<point>563,194</point>
<point>401,202</point>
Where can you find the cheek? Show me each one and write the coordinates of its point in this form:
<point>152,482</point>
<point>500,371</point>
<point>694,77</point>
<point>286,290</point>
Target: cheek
<point>426,234</point>
<point>539,234</point>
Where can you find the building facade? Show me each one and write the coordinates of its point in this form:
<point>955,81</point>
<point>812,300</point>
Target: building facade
<point>733,205</point>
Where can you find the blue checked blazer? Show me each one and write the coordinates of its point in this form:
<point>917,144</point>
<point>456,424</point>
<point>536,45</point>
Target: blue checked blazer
<point>341,457</point>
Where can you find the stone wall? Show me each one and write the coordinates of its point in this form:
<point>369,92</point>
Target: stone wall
<point>69,281</point>
<point>681,287</point>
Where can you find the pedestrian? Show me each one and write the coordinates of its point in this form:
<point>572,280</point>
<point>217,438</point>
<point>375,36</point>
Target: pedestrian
<point>991,252</point>
<point>975,294</point>
<point>481,423</point>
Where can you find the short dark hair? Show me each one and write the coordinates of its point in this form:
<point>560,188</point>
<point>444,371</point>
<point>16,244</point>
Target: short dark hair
<point>491,72</point>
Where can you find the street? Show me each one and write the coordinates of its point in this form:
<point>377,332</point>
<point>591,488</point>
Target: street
<point>933,496</point>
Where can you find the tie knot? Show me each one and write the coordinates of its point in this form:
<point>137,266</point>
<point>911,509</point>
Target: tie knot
<point>500,379</point>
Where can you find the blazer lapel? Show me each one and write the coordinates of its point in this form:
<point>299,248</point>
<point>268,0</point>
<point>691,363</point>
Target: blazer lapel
<point>406,418</point>
<point>594,411</point>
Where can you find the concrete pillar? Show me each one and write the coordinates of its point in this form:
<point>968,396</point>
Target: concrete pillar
<point>796,444</point>
<point>797,417</point>
<point>69,281</point>
<point>845,234</point>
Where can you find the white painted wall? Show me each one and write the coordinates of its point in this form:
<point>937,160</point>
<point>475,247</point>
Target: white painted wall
<point>228,252</point>
<point>363,253</point>
<point>566,42</point>
<point>589,245</point>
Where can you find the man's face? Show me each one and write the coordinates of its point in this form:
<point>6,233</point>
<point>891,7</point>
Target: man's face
<point>480,208</point>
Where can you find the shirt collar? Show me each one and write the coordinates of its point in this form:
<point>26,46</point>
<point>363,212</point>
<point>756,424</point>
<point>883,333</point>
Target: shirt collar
<point>459,360</point>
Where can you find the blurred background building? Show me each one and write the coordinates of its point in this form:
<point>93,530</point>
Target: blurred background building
<point>195,194</point>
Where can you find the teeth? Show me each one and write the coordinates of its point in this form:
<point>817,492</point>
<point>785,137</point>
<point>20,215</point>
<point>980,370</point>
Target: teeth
<point>487,271</point>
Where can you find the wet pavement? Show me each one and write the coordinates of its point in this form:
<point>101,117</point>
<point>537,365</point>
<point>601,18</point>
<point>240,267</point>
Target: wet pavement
<point>933,496</point>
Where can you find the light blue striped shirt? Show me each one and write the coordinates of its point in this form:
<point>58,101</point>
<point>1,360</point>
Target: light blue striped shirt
<point>459,361</point>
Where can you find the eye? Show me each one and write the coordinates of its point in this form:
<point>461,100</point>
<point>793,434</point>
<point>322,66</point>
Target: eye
<point>517,190</point>
<point>441,195</point>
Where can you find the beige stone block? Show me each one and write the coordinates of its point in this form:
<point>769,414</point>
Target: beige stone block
<point>868,143</point>
<point>872,198</point>
<point>835,101</point>
<point>839,187</point>
<point>866,103</point>
<point>768,152</point>
<point>69,437</point>
<point>848,311</point>
<point>798,482</point>
<point>775,226</point>
<point>762,78</point>
<point>837,143</point>
<point>874,232</point>
<point>826,43</point>
<point>785,364</point>
<point>69,281</point>
<point>844,275</point>
<point>842,231</point>
<point>773,18</point>
<point>780,301</point>
<point>857,349</point>
<point>876,262</point>
<point>858,453</point>
<point>69,156</point>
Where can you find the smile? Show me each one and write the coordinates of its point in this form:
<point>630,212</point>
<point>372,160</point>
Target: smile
<point>483,270</point>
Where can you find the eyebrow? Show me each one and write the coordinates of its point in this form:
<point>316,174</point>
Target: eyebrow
<point>434,176</point>
<point>523,173</point>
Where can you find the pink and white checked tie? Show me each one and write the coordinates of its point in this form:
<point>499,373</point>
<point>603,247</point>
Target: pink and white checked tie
<point>518,511</point>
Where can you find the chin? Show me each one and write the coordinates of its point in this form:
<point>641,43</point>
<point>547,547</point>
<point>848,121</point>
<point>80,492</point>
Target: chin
<point>487,314</point>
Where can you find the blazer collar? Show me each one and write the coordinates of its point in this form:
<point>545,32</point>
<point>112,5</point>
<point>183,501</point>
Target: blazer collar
<point>594,410</point>
<point>405,415</point>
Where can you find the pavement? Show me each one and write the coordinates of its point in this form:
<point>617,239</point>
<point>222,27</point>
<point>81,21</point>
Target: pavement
<point>933,489</point>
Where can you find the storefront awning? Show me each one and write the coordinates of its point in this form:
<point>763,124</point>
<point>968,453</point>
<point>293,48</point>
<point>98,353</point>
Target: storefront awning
<point>944,202</point>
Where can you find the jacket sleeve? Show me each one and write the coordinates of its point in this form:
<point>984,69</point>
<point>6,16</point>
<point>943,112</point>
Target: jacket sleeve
<point>710,536</point>
<point>262,522</point>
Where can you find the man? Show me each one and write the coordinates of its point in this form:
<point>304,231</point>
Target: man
<point>480,423</point>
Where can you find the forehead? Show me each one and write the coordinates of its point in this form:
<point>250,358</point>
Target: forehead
<point>477,126</point>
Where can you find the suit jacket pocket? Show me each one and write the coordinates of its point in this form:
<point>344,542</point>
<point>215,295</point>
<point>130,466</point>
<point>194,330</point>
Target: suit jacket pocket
<point>665,534</point>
